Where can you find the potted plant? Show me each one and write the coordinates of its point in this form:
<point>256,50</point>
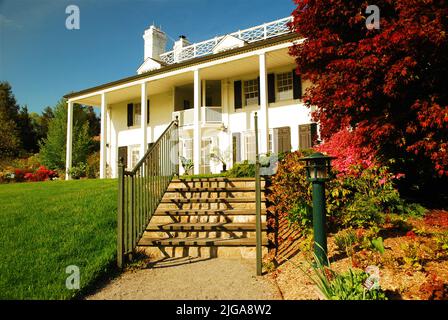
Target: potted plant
<point>218,156</point>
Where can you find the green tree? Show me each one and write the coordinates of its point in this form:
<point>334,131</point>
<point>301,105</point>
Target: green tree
<point>8,103</point>
<point>28,132</point>
<point>9,141</point>
<point>53,147</point>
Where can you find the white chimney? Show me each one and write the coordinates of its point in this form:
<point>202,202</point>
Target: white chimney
<point>155,43</point>
<point>178,45</point>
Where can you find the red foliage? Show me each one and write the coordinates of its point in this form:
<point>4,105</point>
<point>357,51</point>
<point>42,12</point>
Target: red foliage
<point>434,288</point>
<point>346,146</point>
<point>437,218</point>
<point>41,174</point>
<point>411,235</point>
<point>21,174</point>
<point>388,84</point>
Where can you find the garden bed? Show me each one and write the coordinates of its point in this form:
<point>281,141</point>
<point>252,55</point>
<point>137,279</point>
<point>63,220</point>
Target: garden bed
<point>414,265</point>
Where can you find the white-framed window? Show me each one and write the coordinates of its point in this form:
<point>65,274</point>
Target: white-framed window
<point>284,85</point>
<point>137,114</point>
<point>187,148</point>
<point>249,146</point>
<point>251,92</point>
<point>134,156</point>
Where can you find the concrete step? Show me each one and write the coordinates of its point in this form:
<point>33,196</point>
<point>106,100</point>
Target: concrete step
<point>211,204</point>
<point>203,227</point>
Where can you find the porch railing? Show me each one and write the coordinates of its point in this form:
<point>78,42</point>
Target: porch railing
<point>141,190</point>
<point>207,115</point>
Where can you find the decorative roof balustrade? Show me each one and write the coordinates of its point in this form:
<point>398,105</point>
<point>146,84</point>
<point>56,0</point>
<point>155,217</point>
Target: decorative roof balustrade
<point>261,32</point>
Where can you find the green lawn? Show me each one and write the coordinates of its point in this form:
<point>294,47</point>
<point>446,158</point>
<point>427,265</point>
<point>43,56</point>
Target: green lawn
<point>47,226</point>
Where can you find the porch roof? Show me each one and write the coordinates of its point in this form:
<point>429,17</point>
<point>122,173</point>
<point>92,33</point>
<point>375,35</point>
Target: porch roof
<point>189,63</point>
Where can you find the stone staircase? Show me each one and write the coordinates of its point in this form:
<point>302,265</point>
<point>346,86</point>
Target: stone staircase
<point>206,217</point>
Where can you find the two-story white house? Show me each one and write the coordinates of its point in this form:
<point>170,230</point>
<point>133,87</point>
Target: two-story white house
<point>214,88</point>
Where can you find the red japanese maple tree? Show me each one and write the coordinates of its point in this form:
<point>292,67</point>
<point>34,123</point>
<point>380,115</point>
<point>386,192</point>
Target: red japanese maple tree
<point>389,85</point>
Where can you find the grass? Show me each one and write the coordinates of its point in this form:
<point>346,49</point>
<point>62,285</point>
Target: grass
<point>47,226</point>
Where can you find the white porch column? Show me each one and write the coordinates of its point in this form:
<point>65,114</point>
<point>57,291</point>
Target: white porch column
<point>68,157</point>
<point>144,120</point>
<point>263,116</point>
<point>197,124</point>
<point>103,135</point>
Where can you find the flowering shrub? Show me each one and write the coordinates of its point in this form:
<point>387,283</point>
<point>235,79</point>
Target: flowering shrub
<point>346,146</point>
<point>27,175</point>
<point>41,174</point>
<point>359,197</point>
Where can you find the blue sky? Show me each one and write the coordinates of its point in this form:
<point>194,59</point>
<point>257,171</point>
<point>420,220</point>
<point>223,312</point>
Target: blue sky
<point>42,60</point>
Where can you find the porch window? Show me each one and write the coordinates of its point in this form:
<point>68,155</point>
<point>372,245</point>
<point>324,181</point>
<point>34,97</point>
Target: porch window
<point>285,86</point>
<point>137,113</point>
<point>251,92</point>
<point>213,93</point>
<point>249,146</point>
<point>134,155</point>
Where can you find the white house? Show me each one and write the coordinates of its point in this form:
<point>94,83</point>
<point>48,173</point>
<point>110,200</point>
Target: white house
<point>214,87</point>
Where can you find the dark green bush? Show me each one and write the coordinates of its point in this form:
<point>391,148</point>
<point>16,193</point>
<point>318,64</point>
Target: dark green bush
<point>242,170</point>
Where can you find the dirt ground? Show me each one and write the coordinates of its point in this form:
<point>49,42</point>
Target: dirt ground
<point>189,278</point>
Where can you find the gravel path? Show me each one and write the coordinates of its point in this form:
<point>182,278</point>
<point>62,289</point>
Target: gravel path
<point>186,278</point>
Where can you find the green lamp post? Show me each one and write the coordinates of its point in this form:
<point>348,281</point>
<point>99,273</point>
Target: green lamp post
<point>318,168</point>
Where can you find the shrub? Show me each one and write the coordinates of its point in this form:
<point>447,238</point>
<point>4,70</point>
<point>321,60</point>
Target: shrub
<point>78,171</point>
<point>301,214</point>
<point>93,166</point>
<point>41,174</point>
<point>345,241</point>
<point>242,170</point>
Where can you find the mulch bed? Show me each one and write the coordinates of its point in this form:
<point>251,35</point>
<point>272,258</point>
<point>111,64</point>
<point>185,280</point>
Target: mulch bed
<point>422,278</point>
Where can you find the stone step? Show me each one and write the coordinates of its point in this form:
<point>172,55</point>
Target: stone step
<point>217,218</point>
<point>203,227</point>
<point>208,205</point>
<point>211,200</point>
<point>212,189</point>
<point>242,212</point>
<point>202,242</point>
<point>215,183</point>
<point>210,195</point>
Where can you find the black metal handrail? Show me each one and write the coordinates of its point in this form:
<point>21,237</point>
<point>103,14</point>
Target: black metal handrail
<point>258,201</point>
<point>141,189</point>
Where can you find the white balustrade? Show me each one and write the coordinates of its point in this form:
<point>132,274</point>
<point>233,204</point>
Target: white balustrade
<point>261,32</point>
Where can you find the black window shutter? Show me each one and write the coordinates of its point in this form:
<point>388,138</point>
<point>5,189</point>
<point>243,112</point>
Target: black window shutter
<point>259,92</point>
<point>297,85</point>
<point>147,111</point>
<point>271,87</point>
<point>238,93</point>
<point>130,114</point>
<point>123,154</point>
